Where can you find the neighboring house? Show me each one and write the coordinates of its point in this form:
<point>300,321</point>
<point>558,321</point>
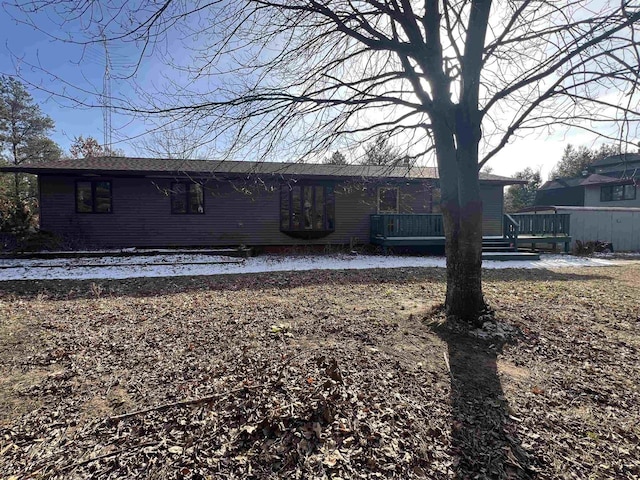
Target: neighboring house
<point>141,202</point>
<point>602,205</point>
<point>610,182</point>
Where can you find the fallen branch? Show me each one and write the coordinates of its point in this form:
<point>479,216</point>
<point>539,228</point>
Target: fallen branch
<point>181,403</point>
<point>446,361</point>
<point>71,466</point>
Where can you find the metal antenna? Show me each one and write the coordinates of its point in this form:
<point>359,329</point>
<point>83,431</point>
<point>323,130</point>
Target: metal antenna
<point>106,99</point>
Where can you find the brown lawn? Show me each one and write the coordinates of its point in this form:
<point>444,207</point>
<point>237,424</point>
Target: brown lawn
<point>321,375</point>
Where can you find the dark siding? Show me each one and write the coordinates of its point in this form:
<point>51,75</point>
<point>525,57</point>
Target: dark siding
<point>561,196</point>
<point>492,209</point>
<point>142,213</point>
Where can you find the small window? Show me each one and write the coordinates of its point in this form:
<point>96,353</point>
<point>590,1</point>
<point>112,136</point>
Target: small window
<point>93,196</point>
<point>187,198</point>
<point>614,193</point>
<point>388,200</point>
<point>307,208</point>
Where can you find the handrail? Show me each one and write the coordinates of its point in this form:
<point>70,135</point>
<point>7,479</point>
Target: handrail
<point>511,229</point>
<point>556,224</point>
<point>515,225</point>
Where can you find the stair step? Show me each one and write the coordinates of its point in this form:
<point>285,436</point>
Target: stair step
<point>498,248</point>
<point>510,256</point>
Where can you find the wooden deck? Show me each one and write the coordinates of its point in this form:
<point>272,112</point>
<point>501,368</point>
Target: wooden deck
<point>426,230</point>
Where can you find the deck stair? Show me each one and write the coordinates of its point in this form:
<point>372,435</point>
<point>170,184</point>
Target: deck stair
<point>503,250</point>
<point>499,244</point>
<point>510,256</point>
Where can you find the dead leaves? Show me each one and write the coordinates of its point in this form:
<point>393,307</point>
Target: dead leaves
<point>315,376</point>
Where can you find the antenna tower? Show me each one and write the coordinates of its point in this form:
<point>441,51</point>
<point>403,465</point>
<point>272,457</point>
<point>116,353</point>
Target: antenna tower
<point>106,99</point>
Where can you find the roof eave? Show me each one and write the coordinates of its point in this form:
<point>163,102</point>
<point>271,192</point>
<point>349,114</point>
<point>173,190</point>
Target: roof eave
<point>183,173</point>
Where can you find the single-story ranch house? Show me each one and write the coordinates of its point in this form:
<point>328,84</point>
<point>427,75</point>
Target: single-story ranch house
<point>142,202</point>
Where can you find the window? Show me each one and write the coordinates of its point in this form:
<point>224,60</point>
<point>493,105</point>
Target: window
<point>187,197</point>
<point>307,208</point>
<point>436,197</point>
<point>93,196</point>
<point>612,193</point>
<point>388,200</point>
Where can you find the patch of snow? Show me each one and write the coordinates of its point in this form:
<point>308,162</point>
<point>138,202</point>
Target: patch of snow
<point>495,330</point>
<point>109,267</point>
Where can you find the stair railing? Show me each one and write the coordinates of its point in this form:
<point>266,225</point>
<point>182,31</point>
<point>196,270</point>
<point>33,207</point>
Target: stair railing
<point>511,229</point>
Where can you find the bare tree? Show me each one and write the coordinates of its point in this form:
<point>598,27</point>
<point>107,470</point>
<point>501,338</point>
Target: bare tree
<point>87,147</point>
<point>454,78</point>
<point>169,140</point>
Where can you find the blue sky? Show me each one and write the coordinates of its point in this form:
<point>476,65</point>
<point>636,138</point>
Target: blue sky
<point>39,60</point>
<point>22,44</point>
<point>83,69</point>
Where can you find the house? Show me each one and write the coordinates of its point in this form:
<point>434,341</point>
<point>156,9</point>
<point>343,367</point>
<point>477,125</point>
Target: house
<point>609,182</point>
<point>144,202</point>
<point>603,205</point>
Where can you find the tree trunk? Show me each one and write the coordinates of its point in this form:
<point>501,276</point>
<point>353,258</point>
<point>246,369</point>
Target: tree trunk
<point>16,185</point>
<point>464,297</point>
<point>462,215</point>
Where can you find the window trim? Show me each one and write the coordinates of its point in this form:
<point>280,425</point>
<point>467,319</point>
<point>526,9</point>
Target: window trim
<point>93,183</point>
<point>397,209</point>
<point>608,196</point>
<point>328,196</point>
<point>187,192</point>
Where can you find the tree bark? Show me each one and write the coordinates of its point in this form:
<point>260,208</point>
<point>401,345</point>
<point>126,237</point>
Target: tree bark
<point>464,298</point>
<point>457,146</point>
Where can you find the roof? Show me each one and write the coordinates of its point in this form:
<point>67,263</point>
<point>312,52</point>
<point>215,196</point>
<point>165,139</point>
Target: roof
<point>620,159</point>
<point>593,179</point>
<point>597,179</point>
<point>574,208</point>
<point>173,167</point>
<point>562,183</point>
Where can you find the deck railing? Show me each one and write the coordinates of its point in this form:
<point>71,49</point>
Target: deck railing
<point>406,225</point>
<point>555,224</point>
<point>510,229</point>
<point>389,225</point>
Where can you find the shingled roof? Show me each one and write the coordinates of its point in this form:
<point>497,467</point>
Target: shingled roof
<point>621,160</point>
<point>173,167</point>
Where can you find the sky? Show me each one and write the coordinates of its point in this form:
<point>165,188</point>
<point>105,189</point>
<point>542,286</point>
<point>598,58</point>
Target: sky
<point>24,50</point>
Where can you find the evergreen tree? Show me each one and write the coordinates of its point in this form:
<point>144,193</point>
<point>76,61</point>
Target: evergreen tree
<point>575,161</point>
<point>380,151</point>
<point>24,138</point>
<point>336,159</point>
<point>522,196</point>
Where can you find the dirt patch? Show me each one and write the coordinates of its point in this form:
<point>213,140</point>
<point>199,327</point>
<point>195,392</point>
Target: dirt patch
<point>320,375</point>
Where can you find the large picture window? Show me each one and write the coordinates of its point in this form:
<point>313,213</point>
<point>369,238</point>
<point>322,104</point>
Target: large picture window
<point>388,200</point>
<point>307,208</point>
<point>611,193</point>
<point>93,196</point>
<point>187,197</point>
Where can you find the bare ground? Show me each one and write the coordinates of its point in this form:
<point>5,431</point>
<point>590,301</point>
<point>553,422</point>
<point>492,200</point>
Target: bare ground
<point>348,374</point>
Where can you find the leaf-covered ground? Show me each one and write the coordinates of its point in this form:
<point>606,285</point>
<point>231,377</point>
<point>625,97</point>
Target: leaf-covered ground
<point>344,374</point>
